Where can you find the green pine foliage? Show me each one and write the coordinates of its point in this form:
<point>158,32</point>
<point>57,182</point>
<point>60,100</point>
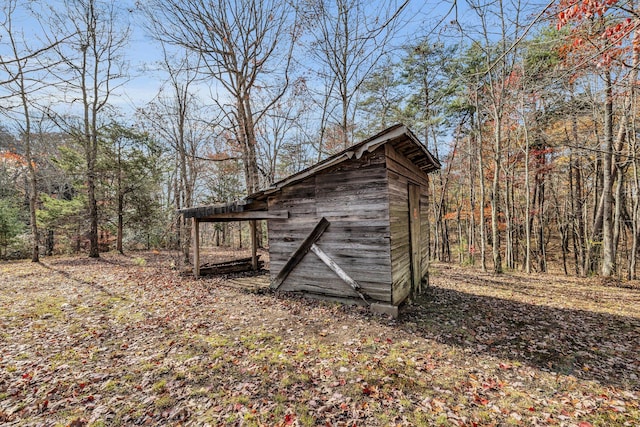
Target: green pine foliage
<point>10,225</point>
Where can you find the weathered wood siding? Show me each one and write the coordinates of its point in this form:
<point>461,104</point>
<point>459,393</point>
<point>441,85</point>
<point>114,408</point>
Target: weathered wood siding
<point>400,173</point>
<point>353,196</point>
<point>424,231</point>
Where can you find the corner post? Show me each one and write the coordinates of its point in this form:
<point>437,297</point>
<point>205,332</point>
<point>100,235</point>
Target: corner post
<point>254,244</point>
<point>196,248</point>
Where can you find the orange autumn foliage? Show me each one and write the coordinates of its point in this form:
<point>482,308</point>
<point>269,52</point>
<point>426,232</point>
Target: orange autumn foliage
<point>607,40</point>
<point>14,159</point>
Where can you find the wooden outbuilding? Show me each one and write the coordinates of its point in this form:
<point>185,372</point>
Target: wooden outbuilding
<point>352,227</point>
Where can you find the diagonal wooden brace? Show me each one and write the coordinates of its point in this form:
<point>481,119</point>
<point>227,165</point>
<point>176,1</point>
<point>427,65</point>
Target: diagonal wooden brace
<point>299,254</point>
<point>338,270</point>
<point>335,267</point>
<point>309,245</point>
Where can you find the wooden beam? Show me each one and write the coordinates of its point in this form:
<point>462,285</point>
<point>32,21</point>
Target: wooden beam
<point>233,266</point>
<point>204,211</point>
<point>415,239</point>
<point>254,245</point>
<point>299,253</point>
<point>249,215</point>
<point>196,247</point>
<point>334,267</point>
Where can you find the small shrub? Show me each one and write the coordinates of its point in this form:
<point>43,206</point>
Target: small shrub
<point>140,262</point>
<point>164,402</point>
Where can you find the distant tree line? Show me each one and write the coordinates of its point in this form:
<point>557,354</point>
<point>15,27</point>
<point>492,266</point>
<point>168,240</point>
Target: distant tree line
<point>532,112</point>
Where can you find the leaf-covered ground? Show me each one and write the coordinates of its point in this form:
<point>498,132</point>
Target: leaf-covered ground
<point>128,341</point>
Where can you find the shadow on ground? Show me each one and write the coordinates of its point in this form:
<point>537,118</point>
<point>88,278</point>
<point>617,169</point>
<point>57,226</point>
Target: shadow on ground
<point>53,267</point>
<point>585,344</point>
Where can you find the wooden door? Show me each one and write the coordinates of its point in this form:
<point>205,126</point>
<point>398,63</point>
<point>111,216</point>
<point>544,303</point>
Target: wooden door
<point>414,238</point>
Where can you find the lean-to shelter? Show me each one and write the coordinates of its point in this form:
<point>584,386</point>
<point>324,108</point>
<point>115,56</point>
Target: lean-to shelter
<point>352,227</point>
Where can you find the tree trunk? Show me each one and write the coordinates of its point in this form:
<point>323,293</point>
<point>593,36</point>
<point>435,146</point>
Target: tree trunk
<point>483,192</point>
<point>247,133</point>
<point>495,197</point>
<point>93,212</point>
<point>619,200</point>
<point>508,251</point>
<point>459,230</point>
<point>472,203</point>
<point>577,199</point>
<point>540,185</point>
<point>120,223</point>
<point>527,202</point>
<point>631,275</point>
<point>186,180</point>
<point>33,193</point>
<point>23,92</point>
<point>572,228</point>
<point>120,196</point>
<point>608,250</point>
<point>635,215</point>
<point>49,243</point>
<point>177,205</point>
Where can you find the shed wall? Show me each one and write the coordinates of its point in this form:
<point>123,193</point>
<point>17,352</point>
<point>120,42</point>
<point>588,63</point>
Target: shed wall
<point>401,172</point>
<point>425,227</point>
<point>354,198</point>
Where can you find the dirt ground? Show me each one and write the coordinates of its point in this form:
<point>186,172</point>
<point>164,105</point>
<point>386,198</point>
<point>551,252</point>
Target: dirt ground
<point>128,340</point>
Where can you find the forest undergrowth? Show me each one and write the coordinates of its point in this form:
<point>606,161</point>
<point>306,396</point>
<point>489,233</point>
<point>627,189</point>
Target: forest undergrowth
<point>127,340</point>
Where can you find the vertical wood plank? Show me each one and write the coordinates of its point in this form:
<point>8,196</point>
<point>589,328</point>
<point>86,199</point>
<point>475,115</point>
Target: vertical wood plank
<point>196,247</point>
<point>334,267</point>
<point>254,244</point>
<point>414,236</point>
<point>299,253</point>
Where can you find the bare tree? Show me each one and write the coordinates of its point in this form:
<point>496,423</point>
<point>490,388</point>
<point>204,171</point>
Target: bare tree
<point>21,79</point>
<point>277,133</point>
<point>174,118</point>
<point>348,37</point>
<point>243,45</point>
<point>92,69</point>
<point>500,64</point>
